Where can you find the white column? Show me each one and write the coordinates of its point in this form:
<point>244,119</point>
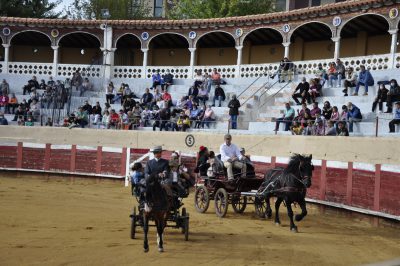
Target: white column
<point>239,59</point>
<point>336,54</point>
<point>55,60</point>
<point>145,54</point>
<point>393,47</point>
<point>286,45</point>
<point>108,55</point>
<point>192,61</point>
<point>6,57</point>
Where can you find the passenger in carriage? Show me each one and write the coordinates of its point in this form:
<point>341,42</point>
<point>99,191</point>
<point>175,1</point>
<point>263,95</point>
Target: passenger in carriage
<point>231,157</point>
<point>179,184</point>
<point>202,161</point>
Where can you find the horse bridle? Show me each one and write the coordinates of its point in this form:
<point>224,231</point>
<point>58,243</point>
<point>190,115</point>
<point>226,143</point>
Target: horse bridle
<point>303,179</point>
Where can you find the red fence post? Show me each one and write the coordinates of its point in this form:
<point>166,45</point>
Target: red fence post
<point>349,185</point>
<point>377,186</point>
<point>123,161</point>
<point>322,184</point>
<point>98,159</point>
<point>19,154</point>
<point>273,161</point>
<point>72,167</point>
<point>47,152</point>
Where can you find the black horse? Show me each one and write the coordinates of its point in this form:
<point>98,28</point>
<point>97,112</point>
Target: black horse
<point>156,207</point>
<point>289,185</point>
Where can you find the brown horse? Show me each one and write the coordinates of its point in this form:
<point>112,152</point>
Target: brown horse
<point>156,208</point>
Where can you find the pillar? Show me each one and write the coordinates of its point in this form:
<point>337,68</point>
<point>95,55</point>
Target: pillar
<point>393,47</point>
<point>239,59</point>
<point>336,54</point>
<point>108,55</point>
<point>286,45</point>
<point>192,61</point>
<point>6,57</point>
<point>145,55</point>
<point>55,60</point>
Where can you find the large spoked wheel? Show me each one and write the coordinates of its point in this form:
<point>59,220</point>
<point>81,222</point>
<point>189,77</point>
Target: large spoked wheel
<point>201,199</point>
<point>221,202</point>
<point>133,223</point>
<point>261,206</point>
<point>239,203</point>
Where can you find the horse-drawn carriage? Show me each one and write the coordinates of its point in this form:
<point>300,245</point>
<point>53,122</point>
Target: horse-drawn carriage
<point>235,192</point>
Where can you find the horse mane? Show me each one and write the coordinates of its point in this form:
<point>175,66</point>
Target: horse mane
<point>293,164</point>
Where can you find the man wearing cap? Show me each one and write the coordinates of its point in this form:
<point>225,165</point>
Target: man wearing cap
<point>158,167</point>
<point>231,157</point>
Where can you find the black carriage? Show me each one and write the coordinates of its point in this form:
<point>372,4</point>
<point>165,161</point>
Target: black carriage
<point>238,193</point>
<point>176,217</point>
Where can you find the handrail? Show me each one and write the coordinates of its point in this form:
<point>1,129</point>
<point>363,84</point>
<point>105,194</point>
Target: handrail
<point>271,96</point>
<point>264,85</point>
<point>262,75</point>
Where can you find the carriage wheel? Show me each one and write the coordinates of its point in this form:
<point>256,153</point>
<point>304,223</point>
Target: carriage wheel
<point>186,227</point>
<point>183,215</point>
<point>221,202</point>
<point>201,199</point>
<point>261,206</point>
<point>133,223</point>
<point>239,203</point>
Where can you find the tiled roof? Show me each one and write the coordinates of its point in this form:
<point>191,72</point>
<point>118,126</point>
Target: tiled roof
<point>277,16</point>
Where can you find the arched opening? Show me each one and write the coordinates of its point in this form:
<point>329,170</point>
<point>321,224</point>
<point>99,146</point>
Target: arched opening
<point>80,48</point>
<point>311,41</point>
<point>31,46</point>
<point>216,48</point>
<point>168,49</point>
<point>262,46</point>
<point>365,35</point>
<point>128,51</point>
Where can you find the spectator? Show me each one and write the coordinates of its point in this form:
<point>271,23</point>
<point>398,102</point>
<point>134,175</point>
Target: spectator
<point>203,94</point>
<point>34,110</point>
<point>200,116</point>
<point>364,79</point>
<point>309,129</point>
<point>49,122</point>
<point>156,79</point>
<point>287,71</point>
<point>3,102</point>
<point>146,116</point>
<point>315,89</point>
<point>396,118</point>
<point>105,120</point>
<point>76,79</point>
<point>343,115</point>
<point>216,77</point>
<point>172,124</point>
<point>194,92</point>
<point>189,103</point>
<point>119,94</point>
<point>219,95</point>
<point>301,115</point>
<point>321,75</point>
<point>332,74</point>
<point>127,93</point>
<point>302,89</point>
<point>331,130</point>
<point>183,122</point>
<point>167,81</point>
<point>316,110</point>
<point>157,96</point>
<point>198,79</point>
<point>4,88</point>
<point>114,120</point>
<point>86,86</point>
<point>296,128</point>
<point>208,117</point>
<point>87,107</point>
<point>32,84</point>
<point>21,112</point>
<point>342,130</point>
<point>335,114</point>
<point>393,95</point>
<point>135,119</point>
<point>353,115</point>
<point>194,113</point>
<point>327,110</point>
<point>234,106</point>
<point>380,98</point>
<point>165,116</point>
<point>339,73</point>
<point>319,129</point>
<point>3,120</point>
<point>146,99</point>
<point>166,97</point>
<point>12,104</point>
<point>351,80</point>
<point>29,122</point>
<point>279,71</point>
<point>96,111</point>
<point>208,82</point>
<point>81,117</point>
<point>110,93</point>
<point>287,118</point>
<point>51,82</point>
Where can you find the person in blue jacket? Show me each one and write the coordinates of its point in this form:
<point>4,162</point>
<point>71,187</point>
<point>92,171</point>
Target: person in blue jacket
<point>364,79</point>
<point>353,115</point>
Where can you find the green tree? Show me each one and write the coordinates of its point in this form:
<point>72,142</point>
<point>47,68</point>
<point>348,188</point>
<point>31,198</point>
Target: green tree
<point>121,9</point>
<point>29,8</point>
<point>186,9</point>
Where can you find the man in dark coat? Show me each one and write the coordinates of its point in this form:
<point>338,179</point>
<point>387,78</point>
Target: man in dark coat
<point>234,105</point>
<point>302,91</point>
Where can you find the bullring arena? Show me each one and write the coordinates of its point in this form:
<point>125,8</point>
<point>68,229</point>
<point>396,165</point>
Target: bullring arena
<point>65,195</point>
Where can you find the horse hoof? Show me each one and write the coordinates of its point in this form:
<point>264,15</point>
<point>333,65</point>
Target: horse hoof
<point>277,224</point>
<point>160,250</point>
<point>146,250</point>
<point>294,230</point>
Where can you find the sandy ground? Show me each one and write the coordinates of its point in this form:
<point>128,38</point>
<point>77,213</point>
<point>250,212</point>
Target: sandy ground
<point>59,221</point>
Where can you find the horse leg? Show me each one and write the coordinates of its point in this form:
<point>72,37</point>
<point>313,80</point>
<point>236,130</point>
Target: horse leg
<point>160,231</point>
<point>303,207</point>
<point>268,211</point>
<point>293,227</point>
<point>145,230</point>
<point>277,204</point>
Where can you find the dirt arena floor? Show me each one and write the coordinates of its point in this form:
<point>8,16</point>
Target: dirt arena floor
<point>64,221</point>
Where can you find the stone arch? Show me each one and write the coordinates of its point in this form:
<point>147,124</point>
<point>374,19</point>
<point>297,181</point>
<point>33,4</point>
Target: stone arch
<point>168,49</point>
<point>31,46</point>
<point>80,47</point>
<point>216,48</point>
<point>311,40</point>
<point>124,35</point>
<point>128,50</point>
